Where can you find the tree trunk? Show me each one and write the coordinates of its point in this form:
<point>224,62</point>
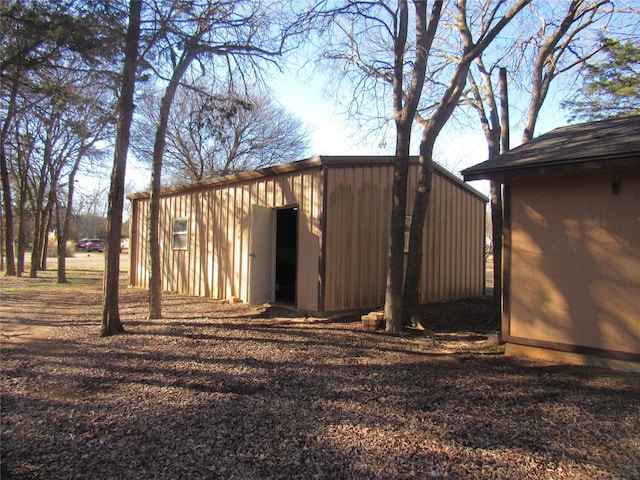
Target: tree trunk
<point>7,206</point>
<point>111,323</point>
<point>22,229</point>
<point>61,244</point>
<point>36,250</point>
<point>405,107</point>
<point>46,228</point>
<point>1,240</point>
<point>431,128</point>
<point>497,211</point>
<point>155,272</point>
<point>493,132</point>
<point>39,208</point>
<point>411,296</point>
<point>395,268</point>
<point>155,278</point>
<point>496,242</point>
<point>63,232</point>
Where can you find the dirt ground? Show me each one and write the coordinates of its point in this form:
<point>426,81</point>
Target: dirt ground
<point>228,391</point>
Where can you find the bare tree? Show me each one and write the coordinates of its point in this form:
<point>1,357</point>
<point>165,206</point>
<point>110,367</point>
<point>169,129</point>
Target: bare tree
<point>536,60</point>
<point>92,124</point>
<point>45,134</point>
<point>241,34</point>
<point>388,45</point>
<point>7,203</point>
<point>111,323</point>
<point>40,36</point>
<point>214,131</point>
<point>22,148</point>
<point>559,48</point>
<point>492,22</point>
<point>494,119</point>
<point>384,50</point>
<point>55,130</point>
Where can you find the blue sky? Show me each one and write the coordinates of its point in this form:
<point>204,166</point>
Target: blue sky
<point>309,98</point>
<point>310,94</point>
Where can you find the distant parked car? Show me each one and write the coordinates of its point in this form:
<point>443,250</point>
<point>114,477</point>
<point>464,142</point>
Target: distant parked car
<point>82,244</point>
<point>94,245</point>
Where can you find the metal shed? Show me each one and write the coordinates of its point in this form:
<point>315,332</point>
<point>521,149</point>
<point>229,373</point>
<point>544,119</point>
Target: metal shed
<point>571,287</point>
<point>312,234</point>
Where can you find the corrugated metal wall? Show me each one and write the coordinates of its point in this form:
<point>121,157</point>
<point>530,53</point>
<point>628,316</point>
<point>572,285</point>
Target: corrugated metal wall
<point>358,212</point>
<point>216,262</point>
<point>357,237</point>
<point>454,243</point>
<point>341,263</point>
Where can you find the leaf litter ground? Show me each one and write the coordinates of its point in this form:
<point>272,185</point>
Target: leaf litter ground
<point>227,391</point>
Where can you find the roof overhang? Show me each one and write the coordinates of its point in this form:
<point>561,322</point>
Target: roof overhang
<point>612,144</point>
<point>551,169</point>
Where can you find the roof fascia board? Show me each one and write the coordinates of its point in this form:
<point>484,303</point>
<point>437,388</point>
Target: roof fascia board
<point>236,178</point>
<point>582,165</point>
<point>313,162</point>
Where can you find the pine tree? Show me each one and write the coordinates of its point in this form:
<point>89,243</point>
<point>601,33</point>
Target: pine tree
<point>611,86</point>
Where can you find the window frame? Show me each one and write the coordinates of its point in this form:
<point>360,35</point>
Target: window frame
<point>181,234</point>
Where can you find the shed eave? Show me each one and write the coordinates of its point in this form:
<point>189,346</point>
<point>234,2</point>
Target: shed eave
<point>605,144</point>
<point>235,178</point>
<point>551,167</point>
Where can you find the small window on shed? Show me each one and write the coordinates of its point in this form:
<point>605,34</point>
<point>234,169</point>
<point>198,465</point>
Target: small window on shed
<point>180,232</point>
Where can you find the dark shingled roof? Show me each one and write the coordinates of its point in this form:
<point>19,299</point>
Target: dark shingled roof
<point>612,143</point>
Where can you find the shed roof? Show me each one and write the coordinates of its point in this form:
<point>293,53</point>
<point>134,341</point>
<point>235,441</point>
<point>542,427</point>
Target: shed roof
<point>313,162</point>
<point>611,143</point>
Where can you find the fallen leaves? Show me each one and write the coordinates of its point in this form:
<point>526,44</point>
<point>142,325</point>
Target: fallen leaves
<point>220,391</point>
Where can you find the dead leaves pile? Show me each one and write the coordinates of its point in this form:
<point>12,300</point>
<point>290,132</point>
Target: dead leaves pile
<point>219,391</point>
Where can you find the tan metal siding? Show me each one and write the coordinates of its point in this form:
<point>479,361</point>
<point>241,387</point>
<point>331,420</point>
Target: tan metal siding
<point>309,239</point>
<point>216,262</point>
<point>351,263</point>
<point>358,203</point>
<point>138,249</point>
<point>453,248</point>
<point>357,231</point>
<point>575,261</point>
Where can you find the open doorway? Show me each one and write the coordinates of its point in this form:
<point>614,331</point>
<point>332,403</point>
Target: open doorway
<point>286,254</point>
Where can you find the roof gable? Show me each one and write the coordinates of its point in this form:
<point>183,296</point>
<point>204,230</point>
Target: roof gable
<point>611,143</point>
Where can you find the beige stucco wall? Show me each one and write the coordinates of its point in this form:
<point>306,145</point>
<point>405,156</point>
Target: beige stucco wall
<point>575,261</point>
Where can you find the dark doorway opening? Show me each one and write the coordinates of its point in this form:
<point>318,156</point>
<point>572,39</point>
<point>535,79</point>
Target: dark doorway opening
<point>286,254</point>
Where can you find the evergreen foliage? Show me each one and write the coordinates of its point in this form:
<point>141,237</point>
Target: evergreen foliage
<point>611,85</point>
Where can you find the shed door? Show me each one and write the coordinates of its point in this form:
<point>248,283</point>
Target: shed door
<point>262,255</point>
